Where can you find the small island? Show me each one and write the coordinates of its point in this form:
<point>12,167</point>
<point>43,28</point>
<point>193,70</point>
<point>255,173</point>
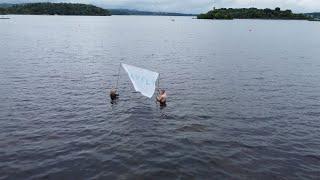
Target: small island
<point>55,9</point>
<point>252,13</point>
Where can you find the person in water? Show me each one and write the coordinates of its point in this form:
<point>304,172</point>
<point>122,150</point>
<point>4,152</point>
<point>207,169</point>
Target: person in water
<point>162,97</point>
<point>113,94</point>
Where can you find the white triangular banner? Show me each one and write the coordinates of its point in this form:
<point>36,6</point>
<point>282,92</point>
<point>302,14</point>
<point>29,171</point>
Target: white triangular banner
<point>143,80</point>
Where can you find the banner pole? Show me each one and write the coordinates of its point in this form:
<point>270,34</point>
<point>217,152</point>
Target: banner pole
<point>159,83</point>
<point>158,93</point>
<point>118,77</point>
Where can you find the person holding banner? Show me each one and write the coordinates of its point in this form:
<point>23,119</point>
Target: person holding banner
<point>143,81</point>
<point>162,97</point>
<point>113,94</point>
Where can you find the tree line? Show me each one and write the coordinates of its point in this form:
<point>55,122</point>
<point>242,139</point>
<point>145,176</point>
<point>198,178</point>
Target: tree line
<point>55,9</point>
<point>251,13</point>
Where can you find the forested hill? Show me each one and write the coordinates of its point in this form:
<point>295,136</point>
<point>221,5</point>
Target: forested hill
<point>69,9</point>
<point>55,9</point>
<point>251,13</point>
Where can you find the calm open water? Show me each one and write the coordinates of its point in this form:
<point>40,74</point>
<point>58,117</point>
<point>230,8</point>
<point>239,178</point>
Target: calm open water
<point>244,99</point>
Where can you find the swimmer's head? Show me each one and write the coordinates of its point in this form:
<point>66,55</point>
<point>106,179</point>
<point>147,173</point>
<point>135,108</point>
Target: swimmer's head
<point>113,91</point>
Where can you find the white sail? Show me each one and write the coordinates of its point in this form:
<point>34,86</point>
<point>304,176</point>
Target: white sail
<point>143,80</point>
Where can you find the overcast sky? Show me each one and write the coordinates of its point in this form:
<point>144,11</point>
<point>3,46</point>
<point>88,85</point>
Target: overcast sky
<point>194,6</point>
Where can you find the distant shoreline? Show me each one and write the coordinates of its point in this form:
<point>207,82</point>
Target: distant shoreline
<point>48,15</point>
<point>130,12</point>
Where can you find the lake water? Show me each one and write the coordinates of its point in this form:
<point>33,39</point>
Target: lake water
<point>244,99</point>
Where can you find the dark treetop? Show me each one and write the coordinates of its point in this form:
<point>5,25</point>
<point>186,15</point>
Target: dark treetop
<point>251,13</point>
<point>55,9</point>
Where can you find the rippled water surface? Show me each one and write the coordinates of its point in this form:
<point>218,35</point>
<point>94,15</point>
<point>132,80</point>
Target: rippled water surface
<point>244,99</point>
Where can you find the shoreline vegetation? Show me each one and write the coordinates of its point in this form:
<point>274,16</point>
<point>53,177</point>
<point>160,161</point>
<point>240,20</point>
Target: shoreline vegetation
<point>75,9</point>
<point>54,9</point>
<point>253,13</point>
